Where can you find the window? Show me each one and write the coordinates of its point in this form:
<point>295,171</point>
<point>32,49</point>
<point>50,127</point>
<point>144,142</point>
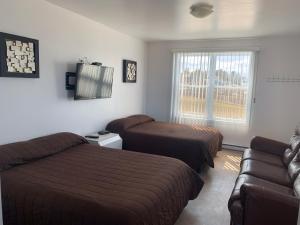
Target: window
<point>212,86</point>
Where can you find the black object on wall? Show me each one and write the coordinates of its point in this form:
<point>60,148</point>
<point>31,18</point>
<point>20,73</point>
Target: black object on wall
<point>70,85</point>
<point>90,81</point>
<point>129,71</point>
<point>19,56</point>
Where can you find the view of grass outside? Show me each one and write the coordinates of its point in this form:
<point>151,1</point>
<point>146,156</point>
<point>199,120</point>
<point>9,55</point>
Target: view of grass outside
<point>229,101</point>
<point>221,109</point>
<point>214,86</point>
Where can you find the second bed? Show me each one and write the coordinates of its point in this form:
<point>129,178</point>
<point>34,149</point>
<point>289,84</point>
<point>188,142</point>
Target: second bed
<point>195,145</point>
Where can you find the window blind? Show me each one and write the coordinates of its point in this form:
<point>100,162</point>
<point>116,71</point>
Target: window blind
<point>212,86</point>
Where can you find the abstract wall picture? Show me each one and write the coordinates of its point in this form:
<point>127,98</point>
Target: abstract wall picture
<point>19,56</point>
<point>129,71</point>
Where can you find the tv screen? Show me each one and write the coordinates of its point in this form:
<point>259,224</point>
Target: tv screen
<point>93,81</point>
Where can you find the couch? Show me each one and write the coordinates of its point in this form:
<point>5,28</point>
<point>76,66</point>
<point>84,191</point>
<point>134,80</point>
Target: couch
<point>267,189</point>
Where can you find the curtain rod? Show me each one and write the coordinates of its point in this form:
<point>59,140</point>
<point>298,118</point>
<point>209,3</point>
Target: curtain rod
<point>216,49</point>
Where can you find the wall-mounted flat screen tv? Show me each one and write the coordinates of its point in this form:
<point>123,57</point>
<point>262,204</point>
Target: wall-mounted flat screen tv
<point>93,81</point>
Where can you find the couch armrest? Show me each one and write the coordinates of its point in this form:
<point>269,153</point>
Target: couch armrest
<point>264,206</point>
<point>268,145</point>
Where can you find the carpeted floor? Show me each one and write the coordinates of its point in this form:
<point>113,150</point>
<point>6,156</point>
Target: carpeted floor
<point>210,208</point>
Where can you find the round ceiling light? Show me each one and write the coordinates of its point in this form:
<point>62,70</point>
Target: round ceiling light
<point>201,10</point>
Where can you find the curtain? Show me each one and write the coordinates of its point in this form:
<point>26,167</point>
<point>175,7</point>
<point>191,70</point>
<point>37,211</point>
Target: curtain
<point>210,87</point>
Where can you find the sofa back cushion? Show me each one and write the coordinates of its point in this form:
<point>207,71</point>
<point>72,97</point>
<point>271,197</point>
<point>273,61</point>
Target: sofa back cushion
<point>290,153</point>
<point>294,167</point>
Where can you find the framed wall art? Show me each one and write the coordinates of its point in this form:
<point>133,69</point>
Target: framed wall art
<point>19,56</point>
<point>129,71</point>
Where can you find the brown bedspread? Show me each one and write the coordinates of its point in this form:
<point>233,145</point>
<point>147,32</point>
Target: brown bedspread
<point>194,145</point>
<point>82,184</point>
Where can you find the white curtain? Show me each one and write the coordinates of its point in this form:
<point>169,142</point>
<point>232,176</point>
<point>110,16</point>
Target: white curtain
<point>210,87</point>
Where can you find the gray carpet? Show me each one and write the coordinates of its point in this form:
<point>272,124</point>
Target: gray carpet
<point>210,208</point>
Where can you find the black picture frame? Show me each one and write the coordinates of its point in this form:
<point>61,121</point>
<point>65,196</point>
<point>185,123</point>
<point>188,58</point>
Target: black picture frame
<point>3,56</point>
<point>126,77</point>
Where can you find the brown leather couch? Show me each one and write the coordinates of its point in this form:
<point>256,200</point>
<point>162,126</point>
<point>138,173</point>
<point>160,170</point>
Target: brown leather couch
<point>267,189</point>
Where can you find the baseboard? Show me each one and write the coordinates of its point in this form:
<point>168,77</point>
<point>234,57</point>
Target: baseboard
<point>234,147</point>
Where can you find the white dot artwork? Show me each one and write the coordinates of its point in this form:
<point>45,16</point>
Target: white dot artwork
<point>131,71</point>
<point>20,56</point>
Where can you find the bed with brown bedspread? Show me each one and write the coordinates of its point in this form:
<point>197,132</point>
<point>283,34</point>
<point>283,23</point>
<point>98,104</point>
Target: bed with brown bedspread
<point>62,180</point>
<point>195,145</point>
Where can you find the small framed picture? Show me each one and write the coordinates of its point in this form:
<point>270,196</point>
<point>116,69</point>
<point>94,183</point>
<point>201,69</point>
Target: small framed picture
<point>129,71</point>
<point>19,56</point>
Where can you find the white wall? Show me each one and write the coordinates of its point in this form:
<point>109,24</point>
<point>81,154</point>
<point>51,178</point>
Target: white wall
<point>277,108</point>
<point>35,107</point>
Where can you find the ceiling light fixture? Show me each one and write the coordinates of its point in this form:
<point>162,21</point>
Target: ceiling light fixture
<point>201,10</point>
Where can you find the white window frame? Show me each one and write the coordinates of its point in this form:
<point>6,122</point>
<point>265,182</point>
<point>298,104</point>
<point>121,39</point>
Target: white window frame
<point>251,88</point>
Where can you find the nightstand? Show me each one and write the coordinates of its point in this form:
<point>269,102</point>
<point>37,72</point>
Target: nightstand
<point>110,140</point>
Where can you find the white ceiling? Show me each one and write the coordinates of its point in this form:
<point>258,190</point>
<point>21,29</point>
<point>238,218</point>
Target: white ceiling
<point>170,19</point>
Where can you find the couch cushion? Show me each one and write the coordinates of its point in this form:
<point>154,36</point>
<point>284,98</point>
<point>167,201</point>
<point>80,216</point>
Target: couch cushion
<point>234,203</point>
<point>290,153</point>
<point>244,178</point>
<point>266,171</point>
<point>294,167</point>
<point>262,156</point>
